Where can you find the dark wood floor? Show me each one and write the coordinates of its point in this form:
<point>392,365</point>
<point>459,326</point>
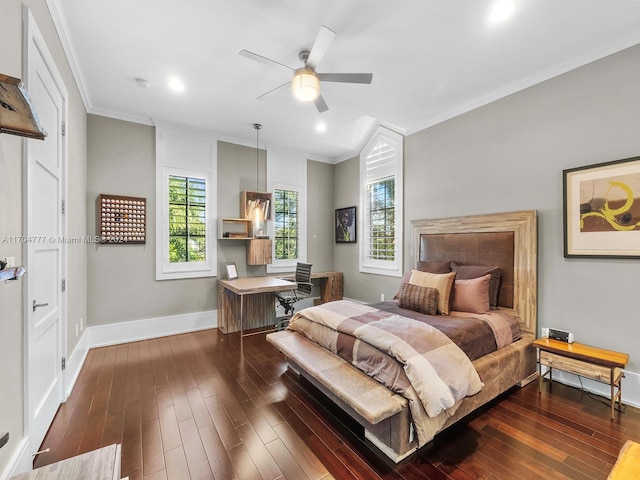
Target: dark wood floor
<point>205,405</point>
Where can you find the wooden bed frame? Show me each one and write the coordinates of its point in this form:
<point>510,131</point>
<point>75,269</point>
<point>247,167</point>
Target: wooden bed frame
<point>384,415</point>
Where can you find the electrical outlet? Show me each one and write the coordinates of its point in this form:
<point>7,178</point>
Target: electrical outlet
<point>382,297</point>
<point>544,331</point>
<point>81,324</point>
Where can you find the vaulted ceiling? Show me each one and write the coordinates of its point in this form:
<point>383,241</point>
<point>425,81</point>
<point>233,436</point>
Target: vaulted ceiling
<point>430,59</point>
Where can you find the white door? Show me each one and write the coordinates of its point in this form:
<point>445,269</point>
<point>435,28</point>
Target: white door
<point>44,309</point>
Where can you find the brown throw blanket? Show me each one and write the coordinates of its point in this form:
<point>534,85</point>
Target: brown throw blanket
<point>403,354</point>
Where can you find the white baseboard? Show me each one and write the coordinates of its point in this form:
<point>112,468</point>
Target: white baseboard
<point>20,461</point>
<point>132,331</point>
<point>630,386</point>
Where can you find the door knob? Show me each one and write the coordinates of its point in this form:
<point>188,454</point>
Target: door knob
<point>36,305</point>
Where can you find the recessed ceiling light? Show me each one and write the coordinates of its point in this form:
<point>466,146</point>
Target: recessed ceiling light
<point>501,10</point>
<point>176,84</point>
<point>321,127</point>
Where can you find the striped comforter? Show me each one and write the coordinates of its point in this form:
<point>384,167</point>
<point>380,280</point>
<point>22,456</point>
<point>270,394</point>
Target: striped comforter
<point>409,357</point>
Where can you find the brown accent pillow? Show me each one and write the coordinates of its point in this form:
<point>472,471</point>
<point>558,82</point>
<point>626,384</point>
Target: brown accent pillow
<point>439,266</point>
<point>466,272</point>
<point>471,295</point>
<point>443,282</point>
<point>419,299</point>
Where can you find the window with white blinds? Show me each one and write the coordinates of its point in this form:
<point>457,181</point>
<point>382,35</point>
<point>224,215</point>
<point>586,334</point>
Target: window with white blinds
<point>381,193</point>
<point>287,211</point>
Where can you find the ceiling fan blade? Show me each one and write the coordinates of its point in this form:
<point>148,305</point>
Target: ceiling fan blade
<point>346,77</point>
<point>261,59</point>
<point>320,46</point>
<point>321,105</point>
<point>273,90</point>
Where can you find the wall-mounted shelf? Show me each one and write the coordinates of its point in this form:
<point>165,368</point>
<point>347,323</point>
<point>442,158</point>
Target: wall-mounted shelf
<point>12,273</point>
<point>250,200</point>
<point>234,229</point>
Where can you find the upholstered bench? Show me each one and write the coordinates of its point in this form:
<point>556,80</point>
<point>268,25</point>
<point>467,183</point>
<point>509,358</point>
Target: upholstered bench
<point>384,415</point>
<point>627,466</point>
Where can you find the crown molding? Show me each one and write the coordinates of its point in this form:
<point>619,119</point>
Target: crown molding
<point>530,81</point>
<point>60,23</point>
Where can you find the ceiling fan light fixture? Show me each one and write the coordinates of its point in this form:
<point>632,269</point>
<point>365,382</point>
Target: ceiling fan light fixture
<point>305,85</point>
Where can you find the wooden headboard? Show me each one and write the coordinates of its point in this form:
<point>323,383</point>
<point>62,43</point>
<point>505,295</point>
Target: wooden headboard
<point>508,240</point>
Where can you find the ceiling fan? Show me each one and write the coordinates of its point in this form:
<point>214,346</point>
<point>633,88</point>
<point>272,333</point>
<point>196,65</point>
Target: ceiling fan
<point>306,81</point>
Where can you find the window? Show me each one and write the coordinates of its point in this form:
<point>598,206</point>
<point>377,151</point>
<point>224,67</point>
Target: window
<point>288,230</point>
<point>381,219</point>
<point>381,193</point>
<point>287,225</point>
<point>185,206</point>
<point>187,219</point>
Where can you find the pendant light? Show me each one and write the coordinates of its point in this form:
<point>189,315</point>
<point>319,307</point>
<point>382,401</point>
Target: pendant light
<point>258,220</point>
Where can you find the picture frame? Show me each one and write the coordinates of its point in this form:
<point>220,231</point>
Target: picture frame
<point>346,225</point>
<point>232,271</point>
<point>602,210</point>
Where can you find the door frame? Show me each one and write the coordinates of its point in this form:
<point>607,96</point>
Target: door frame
<point>32,40</point>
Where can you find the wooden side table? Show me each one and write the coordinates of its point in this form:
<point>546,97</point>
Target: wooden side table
<point>590,362</point>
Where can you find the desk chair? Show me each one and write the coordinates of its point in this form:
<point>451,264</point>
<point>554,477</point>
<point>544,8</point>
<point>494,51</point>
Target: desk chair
<point>288,298</point>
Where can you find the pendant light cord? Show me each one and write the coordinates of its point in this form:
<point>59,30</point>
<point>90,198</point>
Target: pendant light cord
<point>257,126</point>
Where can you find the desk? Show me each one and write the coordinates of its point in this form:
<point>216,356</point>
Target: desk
<point>236,314</point>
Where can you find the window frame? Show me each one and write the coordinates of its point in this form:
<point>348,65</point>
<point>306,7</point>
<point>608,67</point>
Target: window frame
<point>172,270</point>
<point>289,265</point>
<point>395,171</point>
<point>186,206</point>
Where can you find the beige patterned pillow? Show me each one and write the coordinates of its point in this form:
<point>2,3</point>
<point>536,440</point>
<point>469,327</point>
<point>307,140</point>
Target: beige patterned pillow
<point>441,282</point>
<point>419,299</point>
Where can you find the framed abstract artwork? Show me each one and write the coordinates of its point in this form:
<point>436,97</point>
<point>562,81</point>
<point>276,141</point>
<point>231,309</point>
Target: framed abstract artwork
<point>602,210</point>
<point>345,225</point>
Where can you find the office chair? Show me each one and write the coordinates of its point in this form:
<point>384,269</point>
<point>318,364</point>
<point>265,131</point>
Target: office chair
<point>288,298</point>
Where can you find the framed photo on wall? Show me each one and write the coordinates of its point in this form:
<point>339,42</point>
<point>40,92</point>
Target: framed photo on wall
<point>602,210</point>
<point>346,225</point>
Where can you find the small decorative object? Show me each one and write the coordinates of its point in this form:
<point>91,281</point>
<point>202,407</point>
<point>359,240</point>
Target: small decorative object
<point>602,210</point>
<point>232,271</point>
<point>121,220</point>
<point>346,225</point>
<point>2,264</point>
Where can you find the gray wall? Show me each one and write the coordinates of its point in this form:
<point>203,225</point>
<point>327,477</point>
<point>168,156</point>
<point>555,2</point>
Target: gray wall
<point>11,220</point>
<point>320,229</point>
<point>121,278</point>
<point>237,171</point>
<point>509,155</point>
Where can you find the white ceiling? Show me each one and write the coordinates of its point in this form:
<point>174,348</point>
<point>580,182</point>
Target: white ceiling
<point>430,59</point>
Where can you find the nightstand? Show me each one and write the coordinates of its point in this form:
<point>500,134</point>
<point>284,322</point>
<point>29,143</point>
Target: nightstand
<point>590,362</point>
